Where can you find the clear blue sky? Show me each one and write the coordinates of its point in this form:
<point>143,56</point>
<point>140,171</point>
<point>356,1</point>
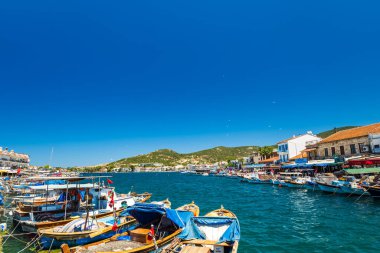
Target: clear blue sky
<point>102,80</point>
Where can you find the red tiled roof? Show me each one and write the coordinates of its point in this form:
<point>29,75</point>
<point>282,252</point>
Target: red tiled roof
<point>353,133</point>
<point>270,160</point>
<point>302,155</point>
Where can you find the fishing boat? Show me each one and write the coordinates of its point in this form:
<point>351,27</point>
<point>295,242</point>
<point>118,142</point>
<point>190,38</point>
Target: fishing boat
<point>69,204</point>
<point>166,203</point>
<point>259,177</point>
<point>207,234</point>
<point>192,207</point>
<point>352,186</point>
<point>373,190</point>
<point>140,197</point>
<point>312,185</point>
<point>334,187</point>
<point>299,182</point>
<point>84,230</point>
<point>157,227</point>
<point>221,212</point>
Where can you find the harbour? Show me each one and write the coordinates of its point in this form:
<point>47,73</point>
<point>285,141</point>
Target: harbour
<point>189,126</point>
<point>272,218</point>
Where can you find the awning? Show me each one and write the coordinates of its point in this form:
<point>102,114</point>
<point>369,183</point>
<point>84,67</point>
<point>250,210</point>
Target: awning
<point>369,161</point>
<point>61,186</point>
<point>146,214</point>
<point>362,171</point>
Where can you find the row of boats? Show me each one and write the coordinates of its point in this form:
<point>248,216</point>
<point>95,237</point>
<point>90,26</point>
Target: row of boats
<point>86,214</point>
<point>327,182</point>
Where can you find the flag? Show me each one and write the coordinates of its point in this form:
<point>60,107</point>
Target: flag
<point>151,232</point>
<point>109,181</point>
<point>114,227</point>
<point>112,201</point>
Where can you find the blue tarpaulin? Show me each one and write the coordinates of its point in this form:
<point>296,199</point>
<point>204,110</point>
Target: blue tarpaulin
<point>1,200</point>
<point>147,214</point>
<point>192,231</point>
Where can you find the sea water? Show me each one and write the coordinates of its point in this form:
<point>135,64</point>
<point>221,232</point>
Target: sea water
<point>272,218</point>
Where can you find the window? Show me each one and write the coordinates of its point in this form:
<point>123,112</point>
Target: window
<point>353,149</point>
<point>286,147</point>
<point>377,146</point>
<point>326,152</point>
<point>342,150</point>
<point>361,148</point>
<point>332,151</point>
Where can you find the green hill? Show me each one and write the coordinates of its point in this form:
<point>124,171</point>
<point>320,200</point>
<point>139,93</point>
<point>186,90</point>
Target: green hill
<point>169,157</point>
<point>326,134</point>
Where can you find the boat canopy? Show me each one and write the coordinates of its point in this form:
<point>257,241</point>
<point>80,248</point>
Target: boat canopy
<point>61,186</point>
<point>146,214</point>
<point>206,228</point>
<point>362,171</point>
<point>71,179</point>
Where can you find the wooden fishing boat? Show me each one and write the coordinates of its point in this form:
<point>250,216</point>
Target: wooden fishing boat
<point>166,203</point>
<point>192,207</point>
<point>141,197</point>
<point>158,226</point>
<point>84,231</point>
<point>221,212</point>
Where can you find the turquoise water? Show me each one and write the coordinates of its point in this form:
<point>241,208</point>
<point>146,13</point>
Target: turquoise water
<point>272,219</point>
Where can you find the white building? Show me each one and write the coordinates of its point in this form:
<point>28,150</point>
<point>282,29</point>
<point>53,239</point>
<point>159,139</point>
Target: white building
<point>293,146</point>
<point>374,143</point>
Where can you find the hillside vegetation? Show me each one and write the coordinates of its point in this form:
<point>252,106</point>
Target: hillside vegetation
<point>169,157</point>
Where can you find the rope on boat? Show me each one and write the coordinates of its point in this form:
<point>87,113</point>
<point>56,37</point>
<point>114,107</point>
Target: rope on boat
<point>51,244</point>
<point>365,190</point>
<point>29,244</point>
<point>19,234</point>
<point>10,234</point>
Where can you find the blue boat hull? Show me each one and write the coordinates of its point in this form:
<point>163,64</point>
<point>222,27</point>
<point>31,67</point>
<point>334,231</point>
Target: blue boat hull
<point>330,188</point>
<point>290,185</point>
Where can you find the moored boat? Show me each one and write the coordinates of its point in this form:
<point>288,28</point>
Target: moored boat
<point>84,230</point>
<point>166,203</point>
<point>192,207</point>
<point>221,212</point>
<point>373,190</point>
<point>158,226</point>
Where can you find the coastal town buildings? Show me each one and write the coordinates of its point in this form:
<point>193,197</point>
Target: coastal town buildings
<point>292,147</point>
<point>11,159</point>
<point>351,142</point>
<point>256,157</point>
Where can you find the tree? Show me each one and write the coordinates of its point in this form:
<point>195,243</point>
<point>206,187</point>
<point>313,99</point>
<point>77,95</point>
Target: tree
<point>265,151</point>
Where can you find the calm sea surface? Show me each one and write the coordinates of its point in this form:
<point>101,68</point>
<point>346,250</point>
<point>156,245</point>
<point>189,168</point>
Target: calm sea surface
<point>272,219</point>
